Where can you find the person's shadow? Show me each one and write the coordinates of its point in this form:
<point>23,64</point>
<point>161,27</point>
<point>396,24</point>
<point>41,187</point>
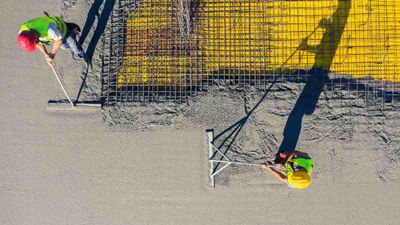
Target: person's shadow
<point>100,27</point>
<point>317,76</point>
<point>90,18</point>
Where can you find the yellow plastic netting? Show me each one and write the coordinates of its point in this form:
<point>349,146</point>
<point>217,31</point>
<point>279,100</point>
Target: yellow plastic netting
<point>358,38</point>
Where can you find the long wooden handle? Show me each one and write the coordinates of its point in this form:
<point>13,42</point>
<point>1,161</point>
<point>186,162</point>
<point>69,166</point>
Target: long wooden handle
<point>62,86</point>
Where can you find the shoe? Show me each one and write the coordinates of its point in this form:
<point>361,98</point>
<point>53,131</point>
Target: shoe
<point>81,54</point>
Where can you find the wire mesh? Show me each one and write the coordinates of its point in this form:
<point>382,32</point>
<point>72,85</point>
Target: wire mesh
<point>172,49</point>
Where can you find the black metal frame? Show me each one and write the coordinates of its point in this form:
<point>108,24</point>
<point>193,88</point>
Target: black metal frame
<point>194,80</point>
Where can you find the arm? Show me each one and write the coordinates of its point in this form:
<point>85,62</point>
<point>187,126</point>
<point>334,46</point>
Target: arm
<point>295,154</point>
<point>303,45</point>
<point>46,55</point>
<point>280,176</point>
<point>42,49</point>
<point>277,174</point>
<point>56,35</point>
<point>324,23</point>
<point>291,155</point>
<point>56,45</point>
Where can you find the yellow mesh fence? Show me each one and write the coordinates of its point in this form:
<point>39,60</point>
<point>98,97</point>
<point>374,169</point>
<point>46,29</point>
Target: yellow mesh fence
<point>358,38</point>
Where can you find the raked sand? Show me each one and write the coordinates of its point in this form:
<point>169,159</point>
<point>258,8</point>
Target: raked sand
<point>84,169</point>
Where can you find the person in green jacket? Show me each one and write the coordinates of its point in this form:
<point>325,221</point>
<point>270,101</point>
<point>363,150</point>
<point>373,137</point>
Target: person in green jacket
<point>35,33</point>
<point>294,168</point>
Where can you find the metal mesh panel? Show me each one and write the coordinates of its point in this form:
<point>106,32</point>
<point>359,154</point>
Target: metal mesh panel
<point>171,49</point>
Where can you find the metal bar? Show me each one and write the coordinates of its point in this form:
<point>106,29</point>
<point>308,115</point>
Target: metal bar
<point>218,171</point>
<point>217,149</point>
<point>246,42</point>
<point>210,135</point>
<point>234,162</point>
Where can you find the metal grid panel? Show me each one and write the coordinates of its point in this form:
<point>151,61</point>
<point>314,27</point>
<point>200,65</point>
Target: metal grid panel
<point>162,49</point>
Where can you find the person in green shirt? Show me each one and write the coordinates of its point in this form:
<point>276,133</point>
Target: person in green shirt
<point>35,33</point>
<point>293,168</point>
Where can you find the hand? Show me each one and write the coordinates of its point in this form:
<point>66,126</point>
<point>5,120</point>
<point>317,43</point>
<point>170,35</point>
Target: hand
<point>303,44</point>
<point>279,166</point>
<point>325,22</point>
<point>267,165</point>
<point>49,59</point>
<point>264,166</point>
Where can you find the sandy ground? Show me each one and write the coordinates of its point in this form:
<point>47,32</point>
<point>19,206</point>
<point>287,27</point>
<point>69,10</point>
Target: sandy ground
<point>148,165</point>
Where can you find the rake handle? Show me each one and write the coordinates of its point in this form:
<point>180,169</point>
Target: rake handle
<point>238,163</point>
<point>61,85</point>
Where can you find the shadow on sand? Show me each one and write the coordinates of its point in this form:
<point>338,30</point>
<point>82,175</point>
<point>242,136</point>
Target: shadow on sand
<point>100,27</point>
<point>318,74</point>
<point>316,79</point>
